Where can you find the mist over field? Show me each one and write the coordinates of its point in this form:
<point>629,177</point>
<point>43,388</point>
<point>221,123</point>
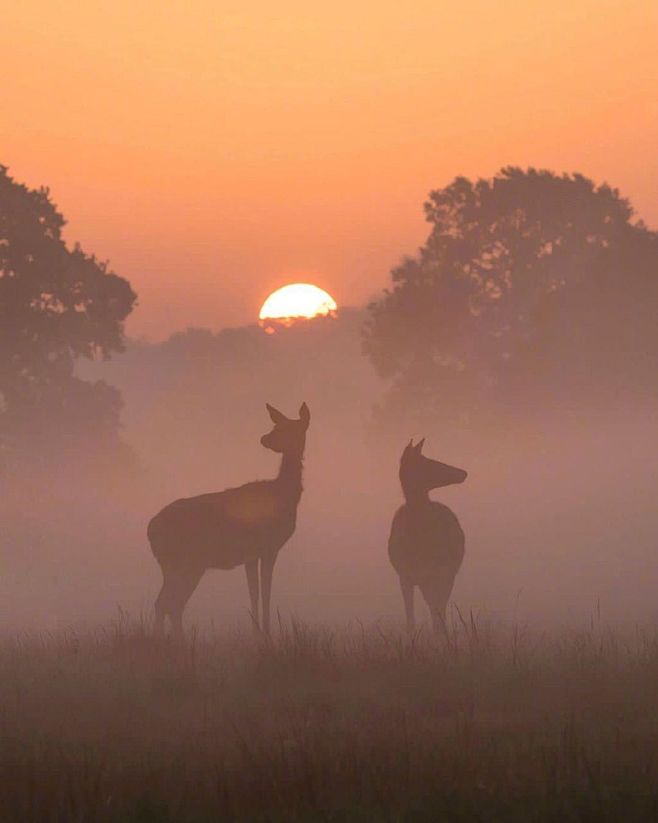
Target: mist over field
<point>558,508</point>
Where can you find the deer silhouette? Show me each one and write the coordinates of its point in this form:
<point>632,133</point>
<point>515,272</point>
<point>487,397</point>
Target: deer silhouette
<point>247,525</point>
<point>426,544</point>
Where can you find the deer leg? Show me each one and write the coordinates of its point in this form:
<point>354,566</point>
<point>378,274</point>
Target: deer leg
<point>266,570</point>
<point>162,602</point>
<point>438,615</point>
<point>437,600</point>
<point>408,597</point>
<point>252,583</point>
<point>178,592</point>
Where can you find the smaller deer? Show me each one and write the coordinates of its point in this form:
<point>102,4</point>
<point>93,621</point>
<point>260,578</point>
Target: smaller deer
<point>426,544</point>
<point>245,526</point>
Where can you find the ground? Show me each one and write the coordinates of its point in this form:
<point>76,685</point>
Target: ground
<point>359,723</point>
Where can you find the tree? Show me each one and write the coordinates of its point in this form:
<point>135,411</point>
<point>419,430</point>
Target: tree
<point>487,302</point>
<point>56,305</point>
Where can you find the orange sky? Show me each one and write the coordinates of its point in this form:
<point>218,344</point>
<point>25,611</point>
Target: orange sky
<point>215,150</point>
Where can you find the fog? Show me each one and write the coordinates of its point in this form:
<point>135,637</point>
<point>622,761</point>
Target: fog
<point>558,508</point>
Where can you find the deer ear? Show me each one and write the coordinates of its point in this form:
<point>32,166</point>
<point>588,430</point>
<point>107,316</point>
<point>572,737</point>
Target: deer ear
<point>419,446</point>
<point>304,415</point>
<point>276,416</point>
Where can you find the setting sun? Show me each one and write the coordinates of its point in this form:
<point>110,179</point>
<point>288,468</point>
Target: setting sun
<point>297,300</point>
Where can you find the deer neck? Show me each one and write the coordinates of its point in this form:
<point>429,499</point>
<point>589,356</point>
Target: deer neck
<point>415,495</point>
<point>289,478</point>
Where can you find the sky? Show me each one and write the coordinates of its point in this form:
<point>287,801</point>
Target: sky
<point>213,151</point>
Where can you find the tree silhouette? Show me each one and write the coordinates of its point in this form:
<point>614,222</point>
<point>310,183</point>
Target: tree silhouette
<point>515,270</point>
<point>56,305</point>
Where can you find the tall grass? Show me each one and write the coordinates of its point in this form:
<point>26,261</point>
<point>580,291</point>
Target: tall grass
<point>362,723</point>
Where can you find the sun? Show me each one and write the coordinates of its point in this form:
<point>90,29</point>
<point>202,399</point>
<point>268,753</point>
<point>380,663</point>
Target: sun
<point>296,301</point>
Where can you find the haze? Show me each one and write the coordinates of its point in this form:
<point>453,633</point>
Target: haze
<point>214,151</point>
<point>558,509</point>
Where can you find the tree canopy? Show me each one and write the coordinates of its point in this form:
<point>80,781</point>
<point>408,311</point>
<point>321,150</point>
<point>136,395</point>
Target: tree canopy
<point>522,275</point>
<point>56,305</point>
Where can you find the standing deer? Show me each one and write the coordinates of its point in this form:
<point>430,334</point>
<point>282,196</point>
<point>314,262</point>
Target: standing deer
<point>245,526</point>
<point>426,544</point>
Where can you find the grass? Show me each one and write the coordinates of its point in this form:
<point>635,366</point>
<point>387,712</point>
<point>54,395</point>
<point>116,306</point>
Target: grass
<point>357,724</point>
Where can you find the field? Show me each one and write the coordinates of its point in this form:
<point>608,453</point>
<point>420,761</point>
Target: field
<point>359,723</point>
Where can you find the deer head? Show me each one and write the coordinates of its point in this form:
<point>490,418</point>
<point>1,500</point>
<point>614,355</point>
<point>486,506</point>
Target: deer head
<point>420,474</point>
<point>288,436</point>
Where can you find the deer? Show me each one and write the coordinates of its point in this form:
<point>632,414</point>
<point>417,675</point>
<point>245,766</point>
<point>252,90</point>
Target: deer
<point>243,526</point>
<point>426,542</point>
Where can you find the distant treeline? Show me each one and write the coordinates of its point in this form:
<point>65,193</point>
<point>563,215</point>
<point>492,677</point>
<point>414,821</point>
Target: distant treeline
<point>532,291</point>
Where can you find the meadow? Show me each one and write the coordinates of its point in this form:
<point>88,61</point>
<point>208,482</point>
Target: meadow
<point>488,722</point>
